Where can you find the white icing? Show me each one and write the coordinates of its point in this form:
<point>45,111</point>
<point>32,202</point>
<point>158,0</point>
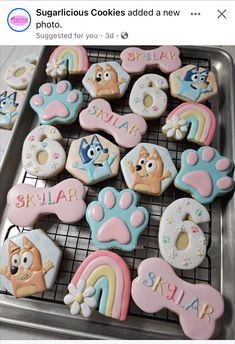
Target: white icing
<point>175,128</point>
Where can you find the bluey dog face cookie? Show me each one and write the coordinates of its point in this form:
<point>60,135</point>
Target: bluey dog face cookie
<point>29,263</point>
<point>148,169</point>
<point>92,159</point>
<point>106,80</point>
<point>10,103</point>
<point>193,83</point>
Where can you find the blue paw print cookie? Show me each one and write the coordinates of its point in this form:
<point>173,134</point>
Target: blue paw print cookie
<point>115,220</point>
<point>57,103</point>
<point>204,174</point>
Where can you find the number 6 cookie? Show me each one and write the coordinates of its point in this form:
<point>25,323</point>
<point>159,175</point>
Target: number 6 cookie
<point>43,156</point>
<point>182,243</point>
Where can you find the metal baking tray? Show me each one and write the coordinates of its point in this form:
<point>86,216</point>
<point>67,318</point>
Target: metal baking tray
<point>47,311</point>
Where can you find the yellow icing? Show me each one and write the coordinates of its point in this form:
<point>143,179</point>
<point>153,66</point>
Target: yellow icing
<point>72,52</point>
<point>201,121</point>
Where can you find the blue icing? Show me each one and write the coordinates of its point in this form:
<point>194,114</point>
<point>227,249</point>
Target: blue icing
<point>8,108</point>
<point>101,294</point>
<point>193,128</point>
<point>69,57</point>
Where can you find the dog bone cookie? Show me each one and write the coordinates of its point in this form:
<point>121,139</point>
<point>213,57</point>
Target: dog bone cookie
<point>182,243</point>
<point>27,203</point>
<point>19,74</point>
<point>115,220</point>
<point>193,83</point>
<point>43,156</point>
<point>71,59</point>
<point>204,174</point>
<point>10,103</point>
<point>195,119</point>
<point>102,281</point>
<point>57,103</point>
<point>92,159</point>
<point>198,305</point>
<point>106,80</point>
<point>148,169</point>
<point>29,263</point>
<point>127,130</point>
<point>136,60</point>
<point>147,97</point>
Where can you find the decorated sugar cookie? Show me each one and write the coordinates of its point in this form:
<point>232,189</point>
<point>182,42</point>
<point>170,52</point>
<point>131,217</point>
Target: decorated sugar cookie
<point>92,159</point>
<point>19,74</point>
<point>106,80</point>
<point>195,119</point>
<point>43,156</point>
<point>29,263</point>
<point>127,130</point>
<point>26,203</point>
<point>147,97</point>
<point>148,169</point>
<point>10,103</point>
<point>102,281</point>
<point>57,103</point>
<point>198,305</point>
<point>182,243</point>
<point>193,83</point>
<point>115,220</point>
<point>136,60</point>
<point>204,174</point>
<point>71,59</point>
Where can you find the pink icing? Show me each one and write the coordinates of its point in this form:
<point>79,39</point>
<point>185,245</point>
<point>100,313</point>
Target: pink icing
<point>47,89</point>
<point>127,130</point>
<point>97,212</point>
<point>175,294</point>
<point>210,124</point>
<point>61,87</point>
<point>114,229</point>
<point>199,180</point>
<point>137,218</point>
<point>224,183</point>
<point>192,158</point>
<point>223,164</point>
<point>126,200</point>
<point>208,154</point>
<point>122,295</point>
<point>109,199</point>
<point>55,109</point>
<point>37,100</point>
<point>72,97</point>
<point>27,203</point>
<point>136,60</point>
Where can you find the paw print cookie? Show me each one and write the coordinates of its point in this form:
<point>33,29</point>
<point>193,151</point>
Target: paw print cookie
<point>193,83</point>
<point>115,220</point>
<point>106,80</point>
<point>92,159</point>
<point>148,169</point>
<point>43,156</point>
<point>10,103</point>
<point>57,103</point>
<point>182,243</point>
<point>204,174</point>
<point>29,263</point>
<point>198,305</point>
<point>102,281</point>
<point>195,119</point>
<point>147,97</point>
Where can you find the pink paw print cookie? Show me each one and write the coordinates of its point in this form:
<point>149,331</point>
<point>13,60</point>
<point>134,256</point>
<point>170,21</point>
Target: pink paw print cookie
<point>204,174</point>
<point>198,305</point>
<point>57,103</point>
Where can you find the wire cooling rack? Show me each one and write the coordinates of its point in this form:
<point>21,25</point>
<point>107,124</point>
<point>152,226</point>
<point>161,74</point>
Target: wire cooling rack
<point>75,240</point>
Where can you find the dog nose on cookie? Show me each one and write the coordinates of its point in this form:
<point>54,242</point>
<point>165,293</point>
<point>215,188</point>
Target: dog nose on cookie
<point>138,167</point>
<point>105,150</point>
<point>98,79</point>
<point>14,270</point>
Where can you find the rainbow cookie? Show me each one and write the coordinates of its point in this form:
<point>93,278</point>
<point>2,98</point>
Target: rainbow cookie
<point>57,103</point>
<point>198,305</point>
<point>74,57</point>
<point>29,263</point>
<point>148,169</point>
<point>106,80</point>
<point>193,83</point>
<point>195,119</point>
<point>115,220</point>
<point>136,60</point>
<point>102,280</point>
<point>204,174</point>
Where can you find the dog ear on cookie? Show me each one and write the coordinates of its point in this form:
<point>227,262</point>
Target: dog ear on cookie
<point>12,247</point>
